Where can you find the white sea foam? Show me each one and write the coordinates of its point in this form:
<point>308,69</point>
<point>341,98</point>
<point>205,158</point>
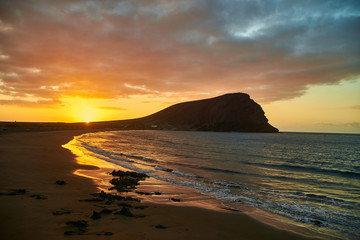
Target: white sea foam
<point>184,174</point>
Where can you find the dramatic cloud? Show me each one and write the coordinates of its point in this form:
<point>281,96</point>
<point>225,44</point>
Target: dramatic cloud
<point>108,49</point>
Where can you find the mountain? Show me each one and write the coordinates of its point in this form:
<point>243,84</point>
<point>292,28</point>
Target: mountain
<point>229,112</point>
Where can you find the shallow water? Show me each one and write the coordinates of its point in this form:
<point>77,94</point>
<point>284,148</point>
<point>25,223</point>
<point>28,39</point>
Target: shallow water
<point>310,179</point>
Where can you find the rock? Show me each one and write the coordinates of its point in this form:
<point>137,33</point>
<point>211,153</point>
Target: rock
<point>125,211</point>
<point>175,199</point>
<point>316,222</point>
<point>60,182</point>
<point>160,226</point>
<point>230,112</point>
<point>92,200</point>
<point>125,205</point>
<point>132,199</point>
<point>95,215</point>
<point>105,234</point>
<point>107,196</point>
<point>69,233</point>
<point>106,211</point>
<point>61,212</point>
<point>157,193</point>
<point>124,184</point>
<point>143,193</point>
<point>79,223</point>
<point>126,181</point>
<point>17,192</point>
<point>128,174</point>
<point>38,197</point>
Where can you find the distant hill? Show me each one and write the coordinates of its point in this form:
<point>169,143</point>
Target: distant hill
<point>230,112</point>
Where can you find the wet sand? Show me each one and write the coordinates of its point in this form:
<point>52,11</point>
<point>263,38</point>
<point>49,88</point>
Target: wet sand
<point>34,161</point>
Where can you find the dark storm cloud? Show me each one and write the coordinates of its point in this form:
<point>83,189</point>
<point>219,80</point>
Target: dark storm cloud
<point>107,49</point>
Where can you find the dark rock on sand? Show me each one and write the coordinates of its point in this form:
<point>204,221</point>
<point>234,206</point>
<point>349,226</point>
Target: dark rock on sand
<point>95,215</point>
<point>175,199</point>
<point>125,205</point>
<point>17,192</point>
<point>106,211</point>
<point>125,183</point>
<point>128,174</point>
<point>316,222</point>
<point>79,223</point>
<point>105,234</point>
<point>92,200</point>
<point>14,192</point>
<point>106,196</point>
<point>61,212</point>
<point>125,211</point>
<point>102,196</point>
<point>143,193</point>
<point>60,182</point>
<point>38,197</point>
<point>69,233</point>
<point>160,226</point>
<point>132,199</point>
<point>81,226</point>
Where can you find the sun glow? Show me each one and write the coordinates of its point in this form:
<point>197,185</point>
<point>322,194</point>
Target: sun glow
<point>81,110</point>
<point>87,110</point>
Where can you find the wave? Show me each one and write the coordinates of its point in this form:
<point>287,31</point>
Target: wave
<point>185,174</point>
<point>332,172</point>
<point>163,169</point>
<point>144,161</point>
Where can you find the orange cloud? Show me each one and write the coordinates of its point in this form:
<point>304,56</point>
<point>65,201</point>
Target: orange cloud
<point>118,48</point>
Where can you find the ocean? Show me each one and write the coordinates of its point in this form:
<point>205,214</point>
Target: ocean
<point>309,179</point>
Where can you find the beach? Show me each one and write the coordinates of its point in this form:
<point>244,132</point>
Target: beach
<point>42,198</point>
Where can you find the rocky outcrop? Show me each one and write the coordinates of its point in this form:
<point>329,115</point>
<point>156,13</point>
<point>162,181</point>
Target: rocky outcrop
<point>229,112</point>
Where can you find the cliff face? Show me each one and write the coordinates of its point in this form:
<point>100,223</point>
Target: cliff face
<point>230,112</point>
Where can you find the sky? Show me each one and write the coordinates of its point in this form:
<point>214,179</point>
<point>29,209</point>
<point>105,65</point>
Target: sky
<point>69,61</point>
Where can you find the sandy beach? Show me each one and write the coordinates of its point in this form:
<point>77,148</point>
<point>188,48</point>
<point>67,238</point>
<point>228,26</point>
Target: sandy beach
<point>35,206</point>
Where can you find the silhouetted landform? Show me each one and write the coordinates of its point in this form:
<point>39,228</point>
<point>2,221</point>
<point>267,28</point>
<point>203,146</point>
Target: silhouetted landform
<point>229,112</point>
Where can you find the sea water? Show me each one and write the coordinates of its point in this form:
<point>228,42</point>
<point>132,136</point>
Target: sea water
<point>312,179</point>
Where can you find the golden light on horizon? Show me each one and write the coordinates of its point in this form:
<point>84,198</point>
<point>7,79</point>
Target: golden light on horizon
<point>79,109</point>
<point>82,110</point>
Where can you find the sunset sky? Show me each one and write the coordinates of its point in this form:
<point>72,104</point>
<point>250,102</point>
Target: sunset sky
<point>69,61</point>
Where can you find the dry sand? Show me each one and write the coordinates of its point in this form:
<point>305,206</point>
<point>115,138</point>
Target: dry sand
<point>35,161</point>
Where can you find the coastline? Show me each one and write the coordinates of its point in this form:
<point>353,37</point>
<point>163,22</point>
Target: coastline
<point>35,161</point>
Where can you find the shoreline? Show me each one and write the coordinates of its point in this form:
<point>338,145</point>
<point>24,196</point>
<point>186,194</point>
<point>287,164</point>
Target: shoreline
<point>28,162</point>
